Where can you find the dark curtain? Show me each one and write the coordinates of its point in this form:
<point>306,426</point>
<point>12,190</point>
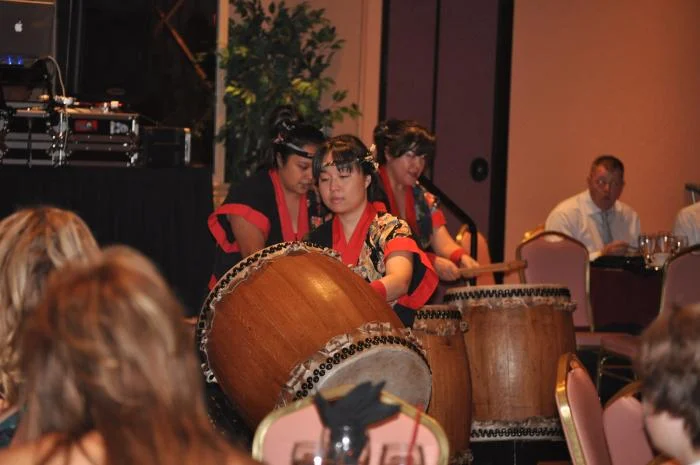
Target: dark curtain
<point>161,212</point>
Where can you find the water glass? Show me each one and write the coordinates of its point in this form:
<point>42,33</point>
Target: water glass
<point>665,244</point>
<point>679,242</point>
<point>307,453</point>
<point>647,246</point>
<point>397,453</point>
<point>345,446</point>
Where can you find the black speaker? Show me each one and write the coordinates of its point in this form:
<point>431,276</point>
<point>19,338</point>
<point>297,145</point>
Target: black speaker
<point>106,49</point>
<point>164,147</point>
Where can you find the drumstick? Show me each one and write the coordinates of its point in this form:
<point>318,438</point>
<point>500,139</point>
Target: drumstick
<point>493,267</point>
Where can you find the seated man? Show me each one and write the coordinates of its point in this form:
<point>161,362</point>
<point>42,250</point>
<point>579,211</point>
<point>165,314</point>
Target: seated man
<point>669,368</point>
<point>688,223</point>
<point>596,217</point>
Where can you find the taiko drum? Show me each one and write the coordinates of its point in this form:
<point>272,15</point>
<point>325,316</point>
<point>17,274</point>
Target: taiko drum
<point>516,335</point>
<point>440,328</point>
<point>293,319</point>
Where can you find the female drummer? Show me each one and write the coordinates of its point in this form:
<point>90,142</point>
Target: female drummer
<point>402,149</point>
<point>275,205</point>
<point>376,243</point>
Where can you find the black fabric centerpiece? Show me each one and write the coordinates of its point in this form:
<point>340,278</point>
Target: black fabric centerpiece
<point>352,414</point>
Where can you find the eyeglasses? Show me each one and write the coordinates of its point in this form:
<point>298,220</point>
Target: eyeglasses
<point>612,184</point>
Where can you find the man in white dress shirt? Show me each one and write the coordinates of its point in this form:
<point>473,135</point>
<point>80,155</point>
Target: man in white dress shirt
<point>688,223</point>
<point>595,216</point>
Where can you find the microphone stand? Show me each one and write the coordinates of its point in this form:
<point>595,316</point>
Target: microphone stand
<point>461,214</point>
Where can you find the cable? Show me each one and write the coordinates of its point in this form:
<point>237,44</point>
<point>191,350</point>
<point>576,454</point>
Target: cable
<point>58,72</point>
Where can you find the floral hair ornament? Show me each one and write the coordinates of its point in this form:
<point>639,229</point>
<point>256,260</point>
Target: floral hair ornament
<point>371,158</point>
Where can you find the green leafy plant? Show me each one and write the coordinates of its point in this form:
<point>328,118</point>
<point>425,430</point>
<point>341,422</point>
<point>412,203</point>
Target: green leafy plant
<point>276,55</point>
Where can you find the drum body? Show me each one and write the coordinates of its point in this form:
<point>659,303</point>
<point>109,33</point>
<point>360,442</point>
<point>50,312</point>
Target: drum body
<point>516,335</point>
<point>440,328</point>
<point>292,319</point>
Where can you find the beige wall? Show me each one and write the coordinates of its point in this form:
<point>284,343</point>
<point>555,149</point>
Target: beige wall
<point>601,76</point>
<point>356,67</point>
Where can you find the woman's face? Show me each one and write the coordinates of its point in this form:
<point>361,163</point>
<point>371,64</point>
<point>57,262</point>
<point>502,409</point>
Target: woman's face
<point>296,175</point>
<point>406,169</point>
<point>345,191</point>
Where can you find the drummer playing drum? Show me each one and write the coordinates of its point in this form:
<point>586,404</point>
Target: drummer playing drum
<point>377,244</point>
<point>272,206</point>
<point>402,149</point>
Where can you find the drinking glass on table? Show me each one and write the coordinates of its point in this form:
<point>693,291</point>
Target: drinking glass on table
<point>346,445</point>
<point>664,248</point>
<point>679,242</point>
<point>647,245</point>
<point>307,453</point>
<point>397,453</point>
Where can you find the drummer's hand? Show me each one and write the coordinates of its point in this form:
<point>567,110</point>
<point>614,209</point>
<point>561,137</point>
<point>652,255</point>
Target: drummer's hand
<point>468,262</point>
<point>615,248</point>
<point>446,270</point>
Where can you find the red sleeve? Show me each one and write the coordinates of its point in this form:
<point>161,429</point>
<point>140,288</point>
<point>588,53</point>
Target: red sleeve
<point>419,295</point>
<point>438,218</point>
<point>212,281</point>
<point>379,206</point>
<point>227,243</point>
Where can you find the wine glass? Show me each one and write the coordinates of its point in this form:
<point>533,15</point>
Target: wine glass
<point>345,445</point>
<point>647,245</point>
<point>307,453</point>
<point>679,242</point>
<point>398,453</point>
<point>664,248</point>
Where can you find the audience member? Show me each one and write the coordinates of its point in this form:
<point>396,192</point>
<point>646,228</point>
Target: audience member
<point>688,223</point>
<point>595,217</point>
<point>110,374</point>
<point>669,367</point>
<point>33,242</point>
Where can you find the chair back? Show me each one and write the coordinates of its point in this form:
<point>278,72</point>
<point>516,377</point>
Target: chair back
<point>681,278</point>
<point>282,428</point>
<point>534,231</point>
<point>623,423</point>
<point>580,413</point>
<point>555,258</point>
<point>483,256</point>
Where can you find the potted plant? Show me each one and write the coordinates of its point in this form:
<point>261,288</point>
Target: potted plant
<point>276,54</point>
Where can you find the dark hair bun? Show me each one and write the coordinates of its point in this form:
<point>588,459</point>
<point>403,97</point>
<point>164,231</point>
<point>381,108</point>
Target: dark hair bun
<point>281,116</point>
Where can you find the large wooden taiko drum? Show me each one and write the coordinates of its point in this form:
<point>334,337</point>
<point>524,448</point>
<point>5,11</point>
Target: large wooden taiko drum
<point>516,335</point>
<point>440,328</point>
<point>293,319</point>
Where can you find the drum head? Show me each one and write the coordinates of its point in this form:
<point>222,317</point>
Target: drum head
<point>406,374</point>
<point>373,352</point>
<point>511,295</point>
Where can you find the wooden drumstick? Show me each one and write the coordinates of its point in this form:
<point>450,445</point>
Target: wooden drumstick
<point>493,267</point>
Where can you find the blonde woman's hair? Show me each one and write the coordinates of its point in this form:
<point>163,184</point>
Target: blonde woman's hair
<point>110,353</point>
<point>33,242</point>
